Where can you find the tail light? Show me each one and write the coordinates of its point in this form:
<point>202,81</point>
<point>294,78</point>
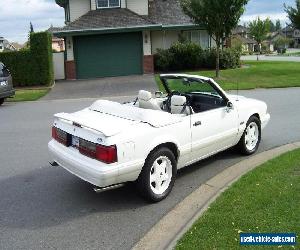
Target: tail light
<point>107,154</point>
<point>61,136</point>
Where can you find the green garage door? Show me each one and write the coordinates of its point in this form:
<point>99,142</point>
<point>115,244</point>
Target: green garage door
<point>108,55</point>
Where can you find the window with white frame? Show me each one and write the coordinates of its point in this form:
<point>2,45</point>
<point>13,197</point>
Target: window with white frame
<point>108,4</point>
<point>199,37</point>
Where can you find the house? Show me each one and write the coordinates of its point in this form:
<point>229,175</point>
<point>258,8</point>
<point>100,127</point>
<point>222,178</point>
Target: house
<point>242,34</point>
<point>58,44</point>
<point>5,45</point>
<point>291,33</point>
<point>120,37</point>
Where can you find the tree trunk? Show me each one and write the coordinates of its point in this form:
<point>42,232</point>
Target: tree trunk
<point>258,51</point>
<point>218,60</point>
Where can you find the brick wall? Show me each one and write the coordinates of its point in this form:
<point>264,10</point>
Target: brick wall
<point>70,70</point>
<point>148,64</point>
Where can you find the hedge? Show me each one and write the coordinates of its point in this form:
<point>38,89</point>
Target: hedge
<point>32,66</point>
<point>190,56</point>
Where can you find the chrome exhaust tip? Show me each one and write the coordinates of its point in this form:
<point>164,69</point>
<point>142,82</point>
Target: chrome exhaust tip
<point>103,189</point>
<point>54,164</point>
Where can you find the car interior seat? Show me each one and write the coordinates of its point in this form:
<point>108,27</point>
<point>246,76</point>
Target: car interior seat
<point>179,105</point>
<point>146,101</point>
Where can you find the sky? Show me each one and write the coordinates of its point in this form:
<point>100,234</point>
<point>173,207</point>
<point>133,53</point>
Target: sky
<point>16,15</point>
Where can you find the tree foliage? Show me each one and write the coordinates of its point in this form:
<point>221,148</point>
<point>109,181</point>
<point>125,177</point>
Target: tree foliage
<point>259,30</point>
<point>217,17</point>
<point>278,25</point>
<point>294,14</point>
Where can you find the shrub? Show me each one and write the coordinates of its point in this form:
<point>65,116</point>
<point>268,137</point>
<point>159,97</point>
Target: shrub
<point>31,66</point>
<point>189,56</point>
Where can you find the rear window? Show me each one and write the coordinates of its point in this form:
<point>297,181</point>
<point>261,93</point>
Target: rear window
<point>3,71</point>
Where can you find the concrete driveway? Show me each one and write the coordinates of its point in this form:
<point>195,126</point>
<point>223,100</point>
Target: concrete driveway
<point>97,88</point>
<point>43,207</point>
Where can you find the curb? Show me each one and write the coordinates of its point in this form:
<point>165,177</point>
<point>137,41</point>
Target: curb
<point>177,222</point>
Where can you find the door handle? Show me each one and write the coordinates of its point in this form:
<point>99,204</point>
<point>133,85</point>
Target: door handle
<point>198,123</point>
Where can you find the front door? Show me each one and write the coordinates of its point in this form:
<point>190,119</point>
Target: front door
<point>213,130</point>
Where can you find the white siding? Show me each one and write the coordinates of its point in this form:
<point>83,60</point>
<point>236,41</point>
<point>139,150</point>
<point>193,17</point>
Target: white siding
<point>146,43</point>
<point>69,48</point>
<point>123,3</point>
<point>138,6</point>
<point>93,5</point>
<point>163,39</point>
<point>79,8</point>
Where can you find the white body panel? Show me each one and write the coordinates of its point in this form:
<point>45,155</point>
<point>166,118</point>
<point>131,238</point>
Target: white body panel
<point>136,132</point>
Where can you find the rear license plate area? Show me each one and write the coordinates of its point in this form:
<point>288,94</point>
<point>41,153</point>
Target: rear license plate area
<point>75,141</point>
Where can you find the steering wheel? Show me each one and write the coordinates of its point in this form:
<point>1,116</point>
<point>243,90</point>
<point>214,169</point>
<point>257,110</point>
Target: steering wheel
<point>168,101</point>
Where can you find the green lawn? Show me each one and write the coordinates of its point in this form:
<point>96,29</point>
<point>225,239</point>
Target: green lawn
<point>28,94</point>
<point>266,200</point>
<point>260,74</point>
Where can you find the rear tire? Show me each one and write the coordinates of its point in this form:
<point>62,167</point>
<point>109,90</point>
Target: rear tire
<point>1,101</point>
<point>158,175</point>
<point>251,137</point>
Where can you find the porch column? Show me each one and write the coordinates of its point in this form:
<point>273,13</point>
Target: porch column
<point>70,63</point>
<point>148,60</point>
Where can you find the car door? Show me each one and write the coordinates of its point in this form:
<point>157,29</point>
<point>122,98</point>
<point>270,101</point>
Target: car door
<point>213,130</point>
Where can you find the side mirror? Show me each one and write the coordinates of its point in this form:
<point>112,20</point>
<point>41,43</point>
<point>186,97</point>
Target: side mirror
<point>158,94</point>
<point>229,106</point>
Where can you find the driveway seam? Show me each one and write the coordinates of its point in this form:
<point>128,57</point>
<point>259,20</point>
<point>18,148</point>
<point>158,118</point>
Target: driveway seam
<point>177,222</point>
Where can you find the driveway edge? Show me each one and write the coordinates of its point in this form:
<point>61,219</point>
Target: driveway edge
<point>166,233</point>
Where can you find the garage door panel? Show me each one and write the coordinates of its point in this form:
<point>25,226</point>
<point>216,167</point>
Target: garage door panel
<point>108,55</point>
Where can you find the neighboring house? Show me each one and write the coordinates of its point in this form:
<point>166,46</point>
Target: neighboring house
<point>58,44</point>
<point>120,37</point>
<point>5,45</point>
<point>243,35</point>
<point>291,33</point>
<point>17,45</point>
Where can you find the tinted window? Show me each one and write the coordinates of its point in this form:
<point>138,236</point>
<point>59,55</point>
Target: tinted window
<point>3,71</point>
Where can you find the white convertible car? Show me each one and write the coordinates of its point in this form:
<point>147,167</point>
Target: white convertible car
<point>148,140</point>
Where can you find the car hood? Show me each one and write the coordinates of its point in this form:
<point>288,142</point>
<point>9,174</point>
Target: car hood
<point>111,118</point>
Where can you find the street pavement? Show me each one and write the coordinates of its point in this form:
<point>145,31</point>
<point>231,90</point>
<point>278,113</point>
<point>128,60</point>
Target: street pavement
<point>271,58</point>
<point>47,207</point>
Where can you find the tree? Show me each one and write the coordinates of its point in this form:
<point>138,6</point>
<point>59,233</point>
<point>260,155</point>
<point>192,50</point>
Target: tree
<point>217,17</point>
<point>31,28</point>
<point>294,14</point>
<point>278,25</point>
<point>259,30</point>
<point>272,26</point>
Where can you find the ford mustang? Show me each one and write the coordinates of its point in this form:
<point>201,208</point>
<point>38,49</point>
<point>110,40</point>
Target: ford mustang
<point>146,141</point>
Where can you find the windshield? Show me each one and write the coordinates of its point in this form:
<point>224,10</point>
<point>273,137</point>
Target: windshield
<point>188,85</point>
<point>3,71</point>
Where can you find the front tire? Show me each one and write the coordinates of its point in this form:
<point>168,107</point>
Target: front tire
<point>250,140</point>
<point>158,175</point>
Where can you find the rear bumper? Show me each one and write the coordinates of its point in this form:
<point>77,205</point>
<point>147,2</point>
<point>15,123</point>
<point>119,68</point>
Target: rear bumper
<point>7,93</point>
<point>93,171</point>
<point>265,120</point>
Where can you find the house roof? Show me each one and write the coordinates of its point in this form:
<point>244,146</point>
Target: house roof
<point>245,40</point>
<point>162,14</point>
<point>240,29</point>
<point>168,12</point>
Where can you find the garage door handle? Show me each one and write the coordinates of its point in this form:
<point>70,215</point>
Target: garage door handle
<point>198,123</point>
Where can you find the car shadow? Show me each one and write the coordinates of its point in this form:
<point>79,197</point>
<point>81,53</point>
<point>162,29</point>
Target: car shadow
<point>50,196</point>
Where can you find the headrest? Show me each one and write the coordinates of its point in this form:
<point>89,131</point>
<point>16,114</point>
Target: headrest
<point>177,100</point>
<point>144,95</point>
